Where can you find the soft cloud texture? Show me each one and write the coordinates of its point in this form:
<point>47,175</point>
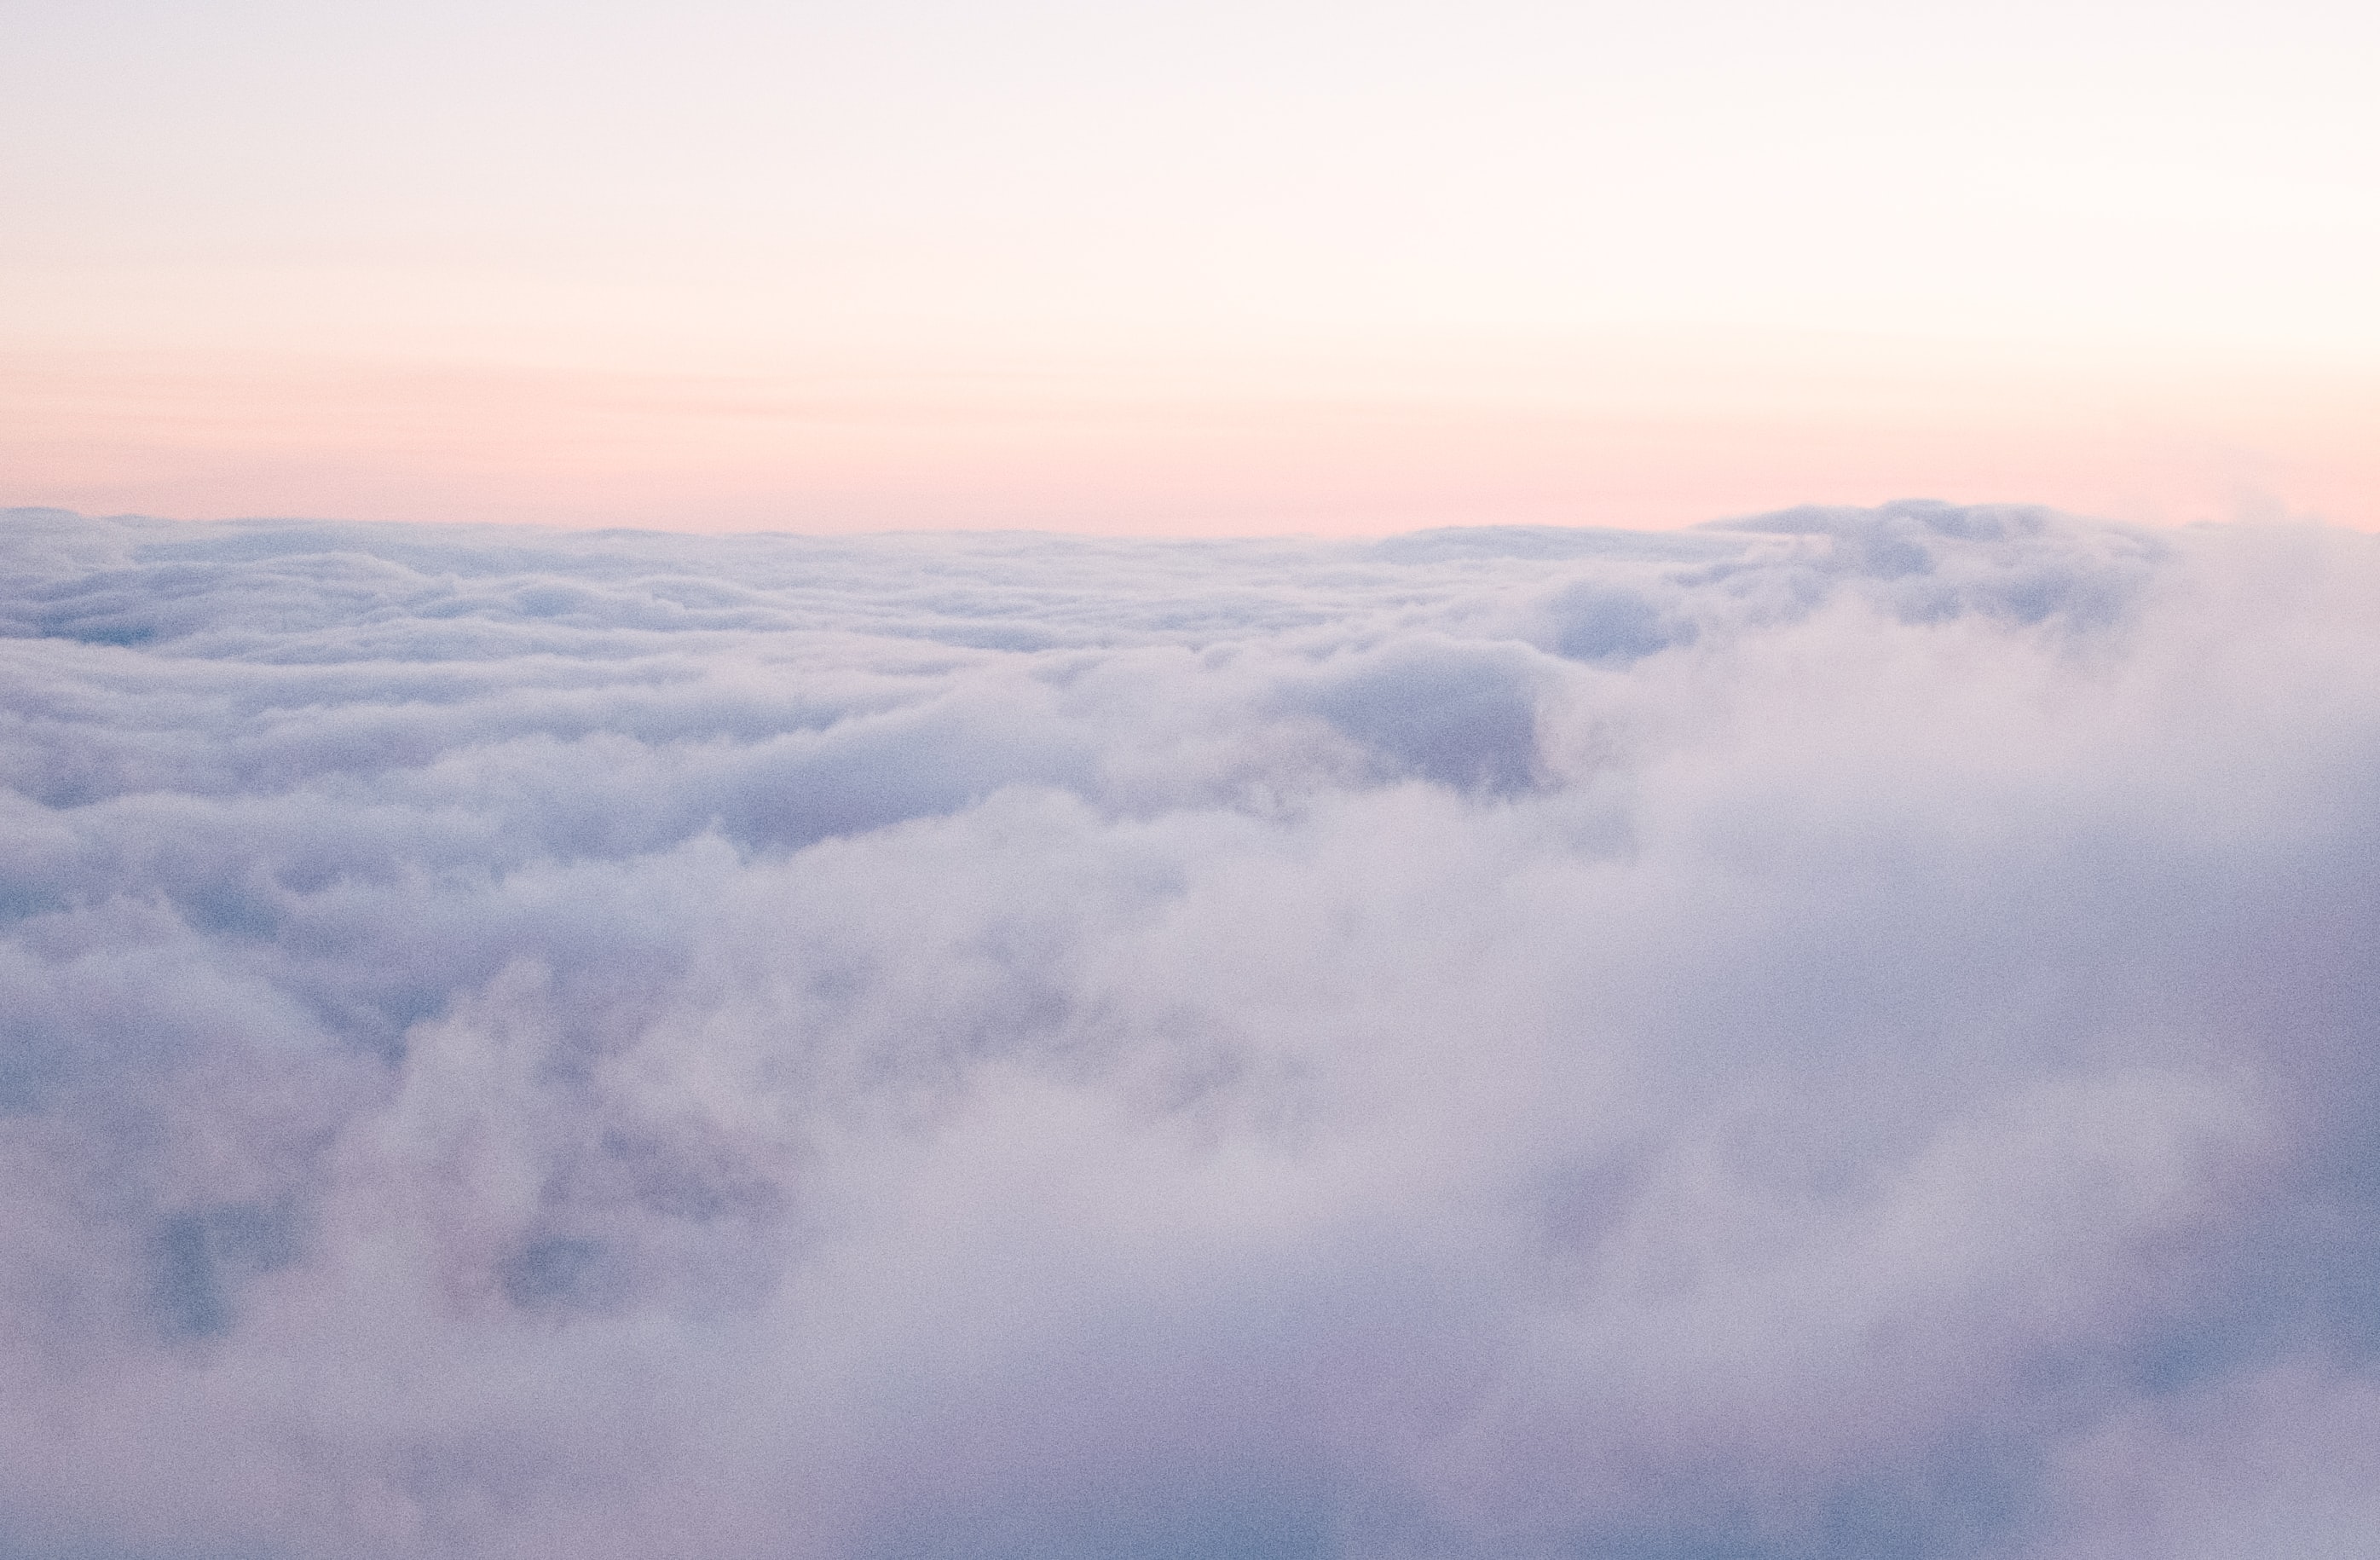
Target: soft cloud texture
<point>1845,1034</point>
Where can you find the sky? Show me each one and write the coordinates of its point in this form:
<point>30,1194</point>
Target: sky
<point>1849,1035</point>
<point>1186,270</point>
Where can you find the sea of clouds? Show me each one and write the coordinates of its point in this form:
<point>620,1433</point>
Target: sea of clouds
<point>1849,1034</point>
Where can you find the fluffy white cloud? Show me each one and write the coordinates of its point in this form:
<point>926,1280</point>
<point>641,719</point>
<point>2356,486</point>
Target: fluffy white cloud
<point>1847,1034</point>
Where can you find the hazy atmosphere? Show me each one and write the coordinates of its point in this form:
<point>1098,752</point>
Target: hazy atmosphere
<point>1173,268</point>
<point>790,780</point>
<point>1847,1034</point>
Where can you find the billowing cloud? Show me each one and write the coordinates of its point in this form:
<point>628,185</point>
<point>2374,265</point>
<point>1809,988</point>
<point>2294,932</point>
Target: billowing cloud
<point>1847,1034</point>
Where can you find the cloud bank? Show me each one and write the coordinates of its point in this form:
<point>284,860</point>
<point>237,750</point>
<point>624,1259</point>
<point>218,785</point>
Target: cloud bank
<point>1850,1033</point>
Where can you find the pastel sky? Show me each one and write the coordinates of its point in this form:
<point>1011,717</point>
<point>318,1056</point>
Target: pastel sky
<point>1174,268</point>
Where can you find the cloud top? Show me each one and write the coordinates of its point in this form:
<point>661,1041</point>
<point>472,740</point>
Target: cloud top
<point>1841,1033</point>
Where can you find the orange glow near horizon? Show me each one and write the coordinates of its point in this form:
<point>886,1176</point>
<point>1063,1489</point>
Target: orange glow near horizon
<point>1622,434</point>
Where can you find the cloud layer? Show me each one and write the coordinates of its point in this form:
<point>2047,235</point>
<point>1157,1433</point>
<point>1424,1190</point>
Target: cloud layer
<point>1846,1034</point>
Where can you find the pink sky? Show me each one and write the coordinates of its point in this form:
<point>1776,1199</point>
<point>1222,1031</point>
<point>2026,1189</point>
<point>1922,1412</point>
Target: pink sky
<point>1213,270</point>
<point>1616,442</point>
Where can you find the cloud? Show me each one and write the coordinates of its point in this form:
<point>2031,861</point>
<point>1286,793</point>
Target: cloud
<point>1842,1033</point>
